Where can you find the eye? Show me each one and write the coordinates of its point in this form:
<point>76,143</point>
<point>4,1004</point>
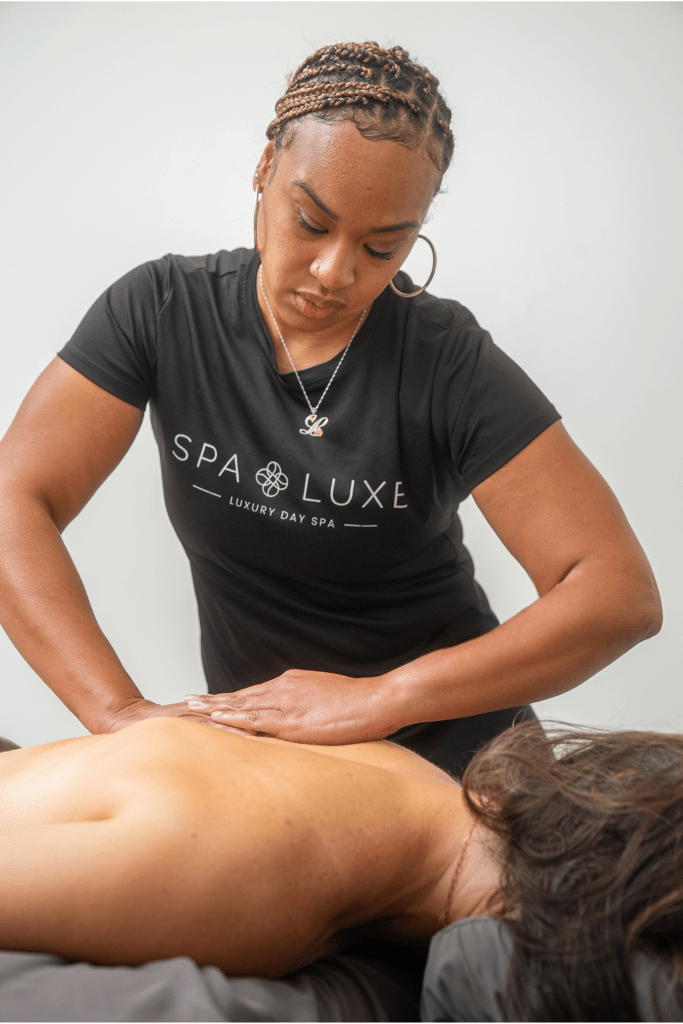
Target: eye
<point>381,255</point>
<point>322,231</point>
<point>309,227</point>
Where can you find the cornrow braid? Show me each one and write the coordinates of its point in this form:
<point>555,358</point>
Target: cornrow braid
<point>383,92</point>
<point>335,94</point>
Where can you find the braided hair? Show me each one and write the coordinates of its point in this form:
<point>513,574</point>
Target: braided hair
<point>383,92</point>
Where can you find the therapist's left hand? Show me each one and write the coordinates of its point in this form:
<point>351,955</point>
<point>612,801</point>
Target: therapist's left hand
<point>305,707</point>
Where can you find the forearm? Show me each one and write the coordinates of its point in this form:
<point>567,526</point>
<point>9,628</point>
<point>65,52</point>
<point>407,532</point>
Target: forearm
<point>581,625</point>
<point>46,614</point>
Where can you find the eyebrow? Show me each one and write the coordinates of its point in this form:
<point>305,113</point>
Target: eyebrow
<point>335,216</point>
<point>397,227</point>
<point>316,199</point>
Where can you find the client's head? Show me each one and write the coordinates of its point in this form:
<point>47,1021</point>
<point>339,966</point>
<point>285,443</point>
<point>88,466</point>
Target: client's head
<point>588,831</point>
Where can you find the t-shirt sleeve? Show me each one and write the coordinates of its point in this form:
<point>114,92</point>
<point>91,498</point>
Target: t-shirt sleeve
<point>115,343</point>
<point>490,408</point>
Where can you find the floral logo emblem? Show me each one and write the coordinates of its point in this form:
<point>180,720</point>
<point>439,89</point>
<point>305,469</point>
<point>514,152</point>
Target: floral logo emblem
<point>272,480</point>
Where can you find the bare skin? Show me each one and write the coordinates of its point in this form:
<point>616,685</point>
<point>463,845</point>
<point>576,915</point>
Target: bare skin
<point>251,854</point>
<point>596,593</point>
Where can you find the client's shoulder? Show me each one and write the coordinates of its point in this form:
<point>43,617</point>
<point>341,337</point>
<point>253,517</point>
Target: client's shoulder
<point>385,754</point>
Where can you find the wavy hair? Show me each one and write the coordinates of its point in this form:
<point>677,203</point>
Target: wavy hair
<point>588,830</point>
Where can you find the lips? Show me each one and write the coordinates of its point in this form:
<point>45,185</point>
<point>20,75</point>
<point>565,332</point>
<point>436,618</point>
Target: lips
<point>315,306</point>
<point>317,300</point>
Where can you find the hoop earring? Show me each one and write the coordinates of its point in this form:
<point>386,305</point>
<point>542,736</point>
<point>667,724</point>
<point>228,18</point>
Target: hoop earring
<point>258,200</point>
<point>411,295</point>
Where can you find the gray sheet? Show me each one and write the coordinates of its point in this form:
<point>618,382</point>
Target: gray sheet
<point>466,977</point>
<point>36,987</point>
<point>466,973</point>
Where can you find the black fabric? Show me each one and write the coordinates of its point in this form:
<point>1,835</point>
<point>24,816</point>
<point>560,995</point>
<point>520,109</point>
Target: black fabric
<point>453,744</point>
<point>340,553</point>
<point>467,968</point>
<point>37,987</point>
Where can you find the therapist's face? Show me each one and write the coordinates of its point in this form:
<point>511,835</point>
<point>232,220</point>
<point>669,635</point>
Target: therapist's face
<point>338,216</point>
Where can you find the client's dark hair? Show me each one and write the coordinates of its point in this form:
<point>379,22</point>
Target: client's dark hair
<point>589,834</point>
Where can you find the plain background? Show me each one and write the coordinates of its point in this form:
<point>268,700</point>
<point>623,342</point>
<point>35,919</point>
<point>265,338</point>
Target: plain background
<point>132,130</point>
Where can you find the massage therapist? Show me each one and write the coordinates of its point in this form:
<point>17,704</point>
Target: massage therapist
<point>319,418</point>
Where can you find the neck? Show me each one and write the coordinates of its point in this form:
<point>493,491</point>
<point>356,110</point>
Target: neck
<point>307,348</point>
<point>454,879</point>
<point>478,886</point>
<point>307,351</point>
<point>464,885</point>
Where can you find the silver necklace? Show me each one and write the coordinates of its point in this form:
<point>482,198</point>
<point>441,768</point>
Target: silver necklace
<point>313,425</point>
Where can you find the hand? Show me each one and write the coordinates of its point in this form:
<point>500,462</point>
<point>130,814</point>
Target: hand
<point>139,709</point>
<point>306,707</point>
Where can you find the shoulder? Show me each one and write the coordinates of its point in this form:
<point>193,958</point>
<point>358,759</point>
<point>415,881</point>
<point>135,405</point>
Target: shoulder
<point>157,277</point>
<point>428,314</point>
<point>441,336</point>
<point>443,314</point>
<point>387,755</point>
<point>216,264</point>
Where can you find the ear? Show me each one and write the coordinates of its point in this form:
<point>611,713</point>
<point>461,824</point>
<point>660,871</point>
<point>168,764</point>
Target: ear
<point>265,167</point>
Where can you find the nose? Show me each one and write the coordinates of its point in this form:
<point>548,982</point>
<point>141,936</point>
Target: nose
<point>333,267</point>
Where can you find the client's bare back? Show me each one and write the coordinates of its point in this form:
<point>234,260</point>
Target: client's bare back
<point>170,838</point>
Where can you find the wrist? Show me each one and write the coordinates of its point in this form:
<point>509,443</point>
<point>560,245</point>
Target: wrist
<point>391,702</point>
<point>103,717</point>
<point>426,689</point>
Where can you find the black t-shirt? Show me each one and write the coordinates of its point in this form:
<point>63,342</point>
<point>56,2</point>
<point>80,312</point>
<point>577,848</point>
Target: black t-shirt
<point>341,552</point>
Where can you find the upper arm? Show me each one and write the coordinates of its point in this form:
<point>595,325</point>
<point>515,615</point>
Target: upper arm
<point>554,513</point>
<point>67,437</point>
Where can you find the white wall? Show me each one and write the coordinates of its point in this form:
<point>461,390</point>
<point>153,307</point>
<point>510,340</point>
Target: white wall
<point>131,130</point>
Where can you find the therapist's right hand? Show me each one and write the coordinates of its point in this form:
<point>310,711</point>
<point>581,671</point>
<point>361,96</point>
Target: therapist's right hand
<point>139,709</point>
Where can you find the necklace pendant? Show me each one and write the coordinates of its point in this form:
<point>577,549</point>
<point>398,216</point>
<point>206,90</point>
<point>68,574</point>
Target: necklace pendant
<point>314,426</point>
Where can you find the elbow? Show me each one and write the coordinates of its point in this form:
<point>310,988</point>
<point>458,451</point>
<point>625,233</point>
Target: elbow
<point>624,607</point>
<point>642,610</point>
<point>652,617</point>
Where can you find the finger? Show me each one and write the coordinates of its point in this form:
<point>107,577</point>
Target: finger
<point>196,716</point>
<point>256,721</point>
<point>231,728</point>
<point>195,712</point>
<point>218,701</point>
